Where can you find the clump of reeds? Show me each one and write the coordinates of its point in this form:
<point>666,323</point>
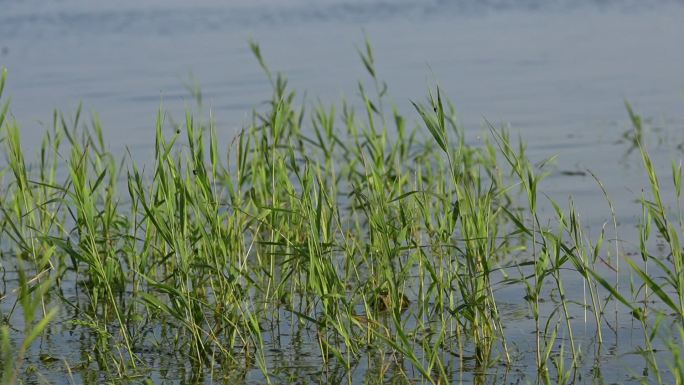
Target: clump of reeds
<point>362,234</point>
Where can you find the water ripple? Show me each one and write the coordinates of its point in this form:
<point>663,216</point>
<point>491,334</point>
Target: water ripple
<point>31,18</point>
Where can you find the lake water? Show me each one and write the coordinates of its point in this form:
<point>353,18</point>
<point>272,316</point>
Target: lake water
<point>556,72</point>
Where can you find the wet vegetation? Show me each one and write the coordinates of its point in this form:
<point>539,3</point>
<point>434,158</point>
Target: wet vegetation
<point>326,244</point>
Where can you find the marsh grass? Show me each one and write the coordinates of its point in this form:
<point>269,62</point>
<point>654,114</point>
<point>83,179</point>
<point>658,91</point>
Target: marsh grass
<point>363,244</point>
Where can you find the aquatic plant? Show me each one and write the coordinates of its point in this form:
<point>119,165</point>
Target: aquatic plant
<point>349,242</point>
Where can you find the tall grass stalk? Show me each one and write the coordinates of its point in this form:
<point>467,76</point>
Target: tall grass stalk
<point>349,232</point>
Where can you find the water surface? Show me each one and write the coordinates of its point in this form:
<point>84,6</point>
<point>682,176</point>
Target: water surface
<point>555,72</point>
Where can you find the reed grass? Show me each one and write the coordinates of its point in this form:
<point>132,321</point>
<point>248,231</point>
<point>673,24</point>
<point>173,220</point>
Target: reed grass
<point>371,243</point>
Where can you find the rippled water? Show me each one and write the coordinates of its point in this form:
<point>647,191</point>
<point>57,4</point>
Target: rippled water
<point>557,72</point>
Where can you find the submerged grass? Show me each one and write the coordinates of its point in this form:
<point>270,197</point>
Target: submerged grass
<point>367,250</point>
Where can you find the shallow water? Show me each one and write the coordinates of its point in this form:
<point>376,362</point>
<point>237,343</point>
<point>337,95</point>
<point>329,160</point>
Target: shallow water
<point>556,72</point>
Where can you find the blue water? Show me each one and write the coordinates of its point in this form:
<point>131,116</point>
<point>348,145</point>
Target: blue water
<point>546,67</point>
<point>556,72</point>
